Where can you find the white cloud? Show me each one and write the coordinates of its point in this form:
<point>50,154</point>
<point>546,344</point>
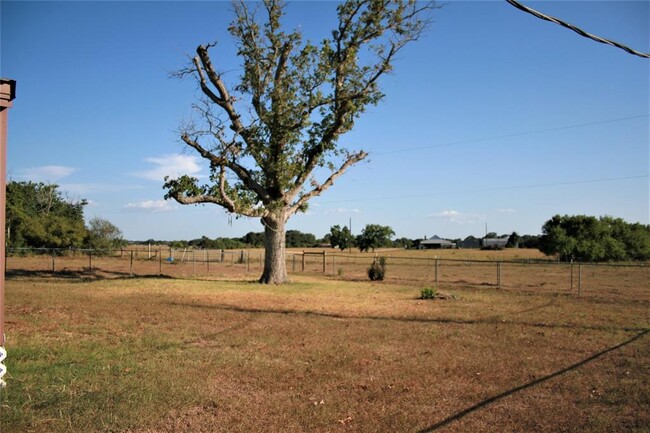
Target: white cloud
<point>342,210</point>
<point>150,206</point>
<point>456,217</point>
<point>170,165</point>
<point>46,173</point>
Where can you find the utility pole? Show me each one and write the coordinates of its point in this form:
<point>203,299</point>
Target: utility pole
<point>7,95</point>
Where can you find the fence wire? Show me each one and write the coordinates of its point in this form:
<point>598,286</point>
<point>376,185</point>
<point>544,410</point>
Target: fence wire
<point>630,281</point>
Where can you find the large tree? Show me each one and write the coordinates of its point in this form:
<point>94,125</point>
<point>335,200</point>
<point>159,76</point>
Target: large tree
<point>270,137</point>
<point>587,238</point>
<point>40,216</point>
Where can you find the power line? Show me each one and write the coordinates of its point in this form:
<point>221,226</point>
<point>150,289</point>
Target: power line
<point>576,29</point>
<point>515,134</point>
<point>501,188</point>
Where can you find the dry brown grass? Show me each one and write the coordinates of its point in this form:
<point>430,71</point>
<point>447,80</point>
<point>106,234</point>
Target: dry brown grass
<point>318,355</point>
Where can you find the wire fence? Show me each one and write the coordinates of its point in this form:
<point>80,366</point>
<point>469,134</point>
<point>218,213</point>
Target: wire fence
<point>629,281</point>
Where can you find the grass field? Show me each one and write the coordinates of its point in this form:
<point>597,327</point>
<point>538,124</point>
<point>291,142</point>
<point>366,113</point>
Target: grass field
<point>148,355</point>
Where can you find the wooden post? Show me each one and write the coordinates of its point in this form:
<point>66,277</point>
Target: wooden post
<point>498,275</point>
<point>207,259</point>
<point>436,266</point>
<point>160,262</point>
<point>303,261</point>
<point>248,265</point>
<point>579,279</point>
<point>334,265</point>
<point>324,261</point>
<point>90,259</point>
<point>571,266</point>
<point>294,263</point>
<point>193,263</point>
<point>131,265</point>
<point>53,258</point>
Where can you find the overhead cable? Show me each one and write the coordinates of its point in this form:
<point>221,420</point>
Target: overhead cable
<point>576,29</point>
<point>498,188</point>
<point>511,135</point>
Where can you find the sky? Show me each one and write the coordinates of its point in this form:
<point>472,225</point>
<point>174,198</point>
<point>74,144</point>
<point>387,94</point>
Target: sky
<point>493,119</point>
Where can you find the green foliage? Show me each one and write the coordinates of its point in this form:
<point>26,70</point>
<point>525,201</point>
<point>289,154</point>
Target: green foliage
<point>103,235</point>
<point>297,239</point>
<point>586,238</point>
<point>341,237</point>
<point>38,216</point>
<point>428,293</point>
<point>377,271</point>
<point>513,240</point>
<point>374,236</point>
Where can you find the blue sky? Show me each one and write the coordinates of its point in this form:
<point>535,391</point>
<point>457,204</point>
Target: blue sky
<point>494,117</point>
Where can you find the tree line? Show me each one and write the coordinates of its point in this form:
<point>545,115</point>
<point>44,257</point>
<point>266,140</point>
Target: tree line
<point>38,215</point>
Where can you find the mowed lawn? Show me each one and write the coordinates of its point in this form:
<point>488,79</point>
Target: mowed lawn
<point>319,355</point>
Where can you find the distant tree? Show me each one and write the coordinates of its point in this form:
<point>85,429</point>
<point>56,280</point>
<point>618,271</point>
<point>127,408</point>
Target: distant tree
<point>341,237</point>
<point>374,236</point>
<point>297,239</point>
<point>491,235</point>
<point>405,243</point>
<point>271,137</point>
<point>327,239</point>
<point>529,241</point>
<point>103,235</point>
<point>587,238</point>
<point>253,239</point>
<point>38,215</point>
<point>513,240</point>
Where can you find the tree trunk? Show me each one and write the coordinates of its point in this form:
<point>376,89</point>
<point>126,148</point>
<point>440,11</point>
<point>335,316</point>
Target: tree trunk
<point>275,268</point>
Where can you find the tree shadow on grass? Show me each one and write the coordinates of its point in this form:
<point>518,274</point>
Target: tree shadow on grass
<point>76,275</point>
<point>442,320</point>
<point>525,386</point>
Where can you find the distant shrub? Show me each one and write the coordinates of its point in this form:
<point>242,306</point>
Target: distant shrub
<point>341,271</point>
<point>428,293</point>
<point>377,270</point>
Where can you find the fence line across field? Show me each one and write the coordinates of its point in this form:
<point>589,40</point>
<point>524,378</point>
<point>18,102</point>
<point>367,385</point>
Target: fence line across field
<point>560,277</point>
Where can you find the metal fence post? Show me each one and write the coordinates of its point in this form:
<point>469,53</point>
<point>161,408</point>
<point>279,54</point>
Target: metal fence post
<point>90,259</point>
<point>324,261</point>
<point>131,264</point>
<point>160,262</point>
<point>53,264</point>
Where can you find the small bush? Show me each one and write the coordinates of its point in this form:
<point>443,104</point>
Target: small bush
<point>377,270</point>
<point>428,293</point>
<point>341,271</point>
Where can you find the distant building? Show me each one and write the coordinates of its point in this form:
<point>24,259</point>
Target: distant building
<point>436,243</point>
<point>494,243</point>
<point>469,242</point>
